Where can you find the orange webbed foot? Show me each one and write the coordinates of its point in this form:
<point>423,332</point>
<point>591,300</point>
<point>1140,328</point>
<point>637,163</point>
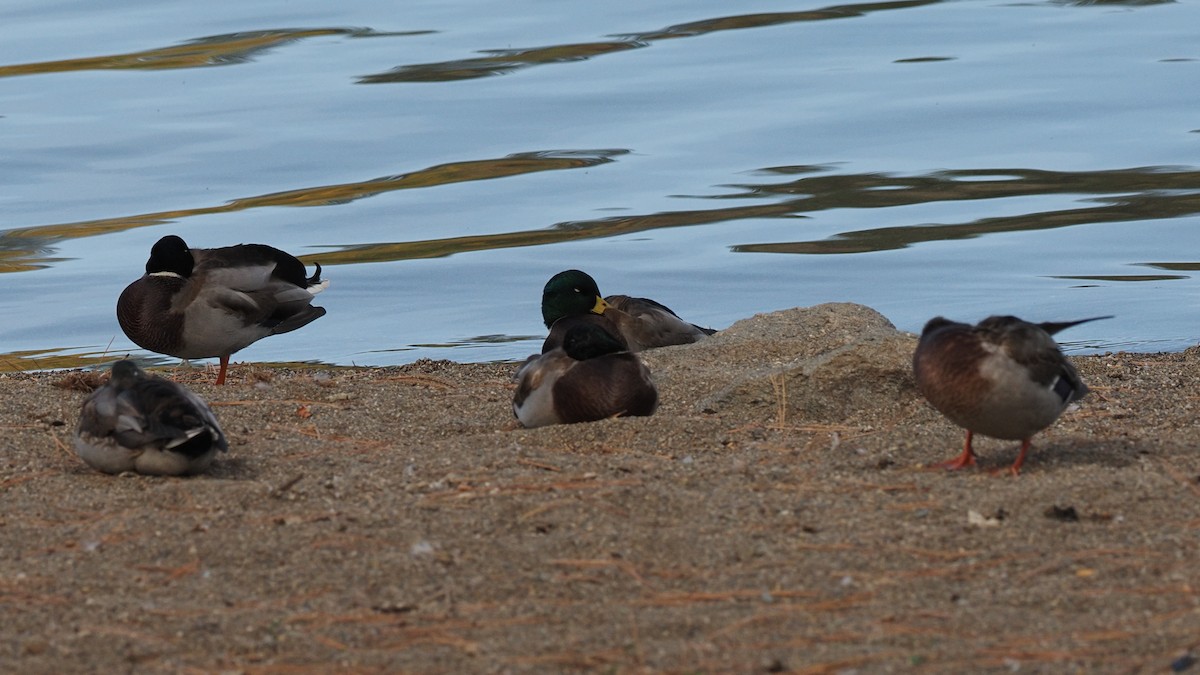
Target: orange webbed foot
<point>967,458</point>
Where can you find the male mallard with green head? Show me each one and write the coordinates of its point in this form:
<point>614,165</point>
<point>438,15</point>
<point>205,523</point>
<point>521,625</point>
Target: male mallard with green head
<point>640,322</point>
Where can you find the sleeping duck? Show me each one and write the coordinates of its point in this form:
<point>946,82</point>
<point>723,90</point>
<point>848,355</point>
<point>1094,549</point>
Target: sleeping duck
<point>639,322</point>
<point>203,302</point>
<point>589,376</point>
<point>146,424</point>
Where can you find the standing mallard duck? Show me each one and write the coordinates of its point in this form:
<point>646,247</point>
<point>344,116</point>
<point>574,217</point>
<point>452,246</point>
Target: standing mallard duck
<point>143,423</point>
<point>196,302</point>
<point>1005,378</point>
<point>590,376</point>
<point>641,323</point>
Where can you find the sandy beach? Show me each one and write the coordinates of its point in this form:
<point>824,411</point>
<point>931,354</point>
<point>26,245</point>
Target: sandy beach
<point>777,514</point>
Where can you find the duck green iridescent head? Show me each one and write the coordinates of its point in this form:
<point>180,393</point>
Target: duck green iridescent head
<point>570,293</point>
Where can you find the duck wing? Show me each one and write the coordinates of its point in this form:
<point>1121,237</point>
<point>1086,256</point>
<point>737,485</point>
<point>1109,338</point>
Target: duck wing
<point>1031,347</point>
<point>260,284</point>
<point>157,413</point>
<point>645,323</point>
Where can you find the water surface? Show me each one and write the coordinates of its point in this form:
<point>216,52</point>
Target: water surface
<point>445,159</point>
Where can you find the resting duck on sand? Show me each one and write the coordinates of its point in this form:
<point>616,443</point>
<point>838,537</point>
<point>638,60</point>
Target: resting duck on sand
<point>639,322</point>
<point>143,423</point>
<point>590,376</point>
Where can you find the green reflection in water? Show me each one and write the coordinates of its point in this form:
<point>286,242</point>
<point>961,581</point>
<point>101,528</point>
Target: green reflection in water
<point>52,359</point>
<point>504,61</point>
<point>215,50</point>
<point>1146,193</point>
<point>55,359</point>
<point>1174,266</point>
<point>1137,194</point>
<point>1122,277</point>
<point>1118,3</point>
<point>925,59</point>
<point>235,48</point>
<point>478,341</point>
<point>26,249</point>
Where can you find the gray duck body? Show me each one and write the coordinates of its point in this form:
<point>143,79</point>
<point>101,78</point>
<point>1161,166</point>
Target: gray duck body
<point>143,423</point>
<point>197,303</point>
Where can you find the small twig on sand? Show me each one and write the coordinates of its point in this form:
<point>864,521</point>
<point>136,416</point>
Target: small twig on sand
<point>278,492</point>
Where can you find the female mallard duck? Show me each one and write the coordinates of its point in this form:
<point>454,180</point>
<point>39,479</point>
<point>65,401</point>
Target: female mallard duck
<point>143,423</point>
<point>196,303</point>
<point>1005,378</point>
<point>590,376</point>
<point>639,322</point>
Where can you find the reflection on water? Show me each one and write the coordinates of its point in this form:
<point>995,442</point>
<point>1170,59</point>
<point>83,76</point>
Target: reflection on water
<point>1118,3</point>
<point>1136,194</point>
<point>1121,277</point>
<point>481,340</point>
<point>504,61</point>
<point>58,359</point>
<point>1122,194</point>
<point>28,248</point>
<point>1177,266</point>
<point>55,359</point>
<point>234,48</point>
<point>216,50</point>
<point>48,359</point>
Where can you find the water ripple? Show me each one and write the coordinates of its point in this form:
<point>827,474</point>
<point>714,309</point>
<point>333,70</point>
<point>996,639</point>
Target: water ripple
<point>26,249</point>
<point>505,61</point>
<point>214,50</point>
<point>1144,193</point>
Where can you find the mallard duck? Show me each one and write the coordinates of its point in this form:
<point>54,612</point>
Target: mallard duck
<point>639,322</point>
<point>1005,378</point>
<point>202,302</point>
<point>590,376</point>
<point>147,424</point>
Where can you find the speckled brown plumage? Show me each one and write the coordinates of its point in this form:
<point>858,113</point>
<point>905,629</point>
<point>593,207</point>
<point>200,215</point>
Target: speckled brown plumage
<point>1004,377</point>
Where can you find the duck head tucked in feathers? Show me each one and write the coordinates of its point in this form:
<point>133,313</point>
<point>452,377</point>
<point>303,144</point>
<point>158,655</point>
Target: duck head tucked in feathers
<point>1003,377</point>
<point>196,303</point>
<point>146,424</point>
